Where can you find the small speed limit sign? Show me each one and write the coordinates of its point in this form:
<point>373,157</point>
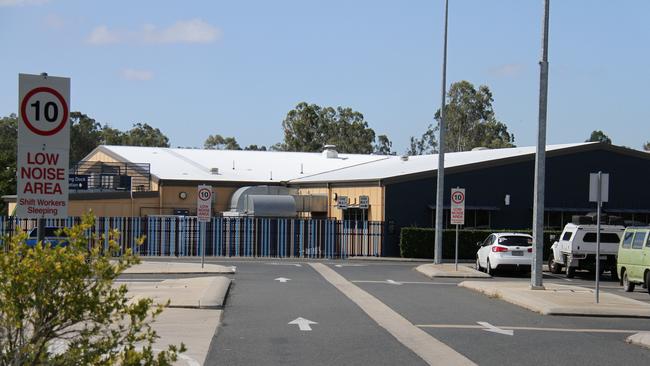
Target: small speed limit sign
<point>457,206</point>
<point>204,203</point>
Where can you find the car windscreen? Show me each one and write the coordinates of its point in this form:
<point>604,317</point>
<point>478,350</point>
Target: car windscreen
<point>604,238</point>
<point>515,241</point>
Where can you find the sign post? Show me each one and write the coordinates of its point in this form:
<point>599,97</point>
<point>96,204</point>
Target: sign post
<point>457,214</point>
<point>599,193</point>
<point>204,214</point>
<point>43,148</point>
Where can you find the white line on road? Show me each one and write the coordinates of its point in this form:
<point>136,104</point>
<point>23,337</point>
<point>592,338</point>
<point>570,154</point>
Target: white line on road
<point>408,282</point>
<point>491,328</point>
<point>285,264</point>
<point>431,350</point>
<point>350,265</point>
<point>282,279</point>
<point>303,324</point>
<point>541,329</point>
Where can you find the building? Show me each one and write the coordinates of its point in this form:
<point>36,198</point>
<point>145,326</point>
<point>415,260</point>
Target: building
<point>400,190</point>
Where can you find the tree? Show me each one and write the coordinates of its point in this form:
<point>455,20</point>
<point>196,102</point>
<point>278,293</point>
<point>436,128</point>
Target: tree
<point>112,136</point>
<point>144,135</point>
<point>255,148</point>
<point>8,138</point>
<point>470,120</point>
<point>383,146</point>
<point>427,144</point>
<point>646,146</point>
<point>309,127</point>
<point>219,142</point>
<point>59,305</point>
<point>599,136</point>
<point>85,135</point>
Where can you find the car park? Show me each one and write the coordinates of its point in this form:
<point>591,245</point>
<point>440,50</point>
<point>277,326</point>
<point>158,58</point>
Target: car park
<point>54,236</point>
<point>634,258</point>
<point>505,251</point>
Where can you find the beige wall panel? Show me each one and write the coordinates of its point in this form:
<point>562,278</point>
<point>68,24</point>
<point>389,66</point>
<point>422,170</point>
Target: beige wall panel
<point>111,207</point>
<point>374,193</point>
<point>100,156</point>
<point>171,197</point>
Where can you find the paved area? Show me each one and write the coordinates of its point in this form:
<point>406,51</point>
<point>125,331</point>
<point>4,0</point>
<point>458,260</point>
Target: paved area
<point>196,292</point>
<point>640,339</point>
<point>450,270</point>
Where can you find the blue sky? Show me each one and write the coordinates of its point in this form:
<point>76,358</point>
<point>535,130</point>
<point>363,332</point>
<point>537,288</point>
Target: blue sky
<point>195,68</point>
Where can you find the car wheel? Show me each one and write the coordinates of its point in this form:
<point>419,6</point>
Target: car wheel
<point>553,266</point>
<point>570,271</point>
<point>627,285</point>
<point>647,281</point>
<point>478,265</point>
<point>488,268</point>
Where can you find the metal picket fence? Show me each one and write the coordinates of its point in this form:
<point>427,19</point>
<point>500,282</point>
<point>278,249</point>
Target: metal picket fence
<point>230,237</point>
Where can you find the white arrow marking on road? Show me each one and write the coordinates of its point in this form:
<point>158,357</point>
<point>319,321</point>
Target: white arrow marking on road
<point>282,279</point>
<point>303,324</point>
<point>393,282</point>
<point>491,328</point>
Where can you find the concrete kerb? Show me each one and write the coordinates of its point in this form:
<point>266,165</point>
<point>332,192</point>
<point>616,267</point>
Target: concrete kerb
<point>640,339</point>
<point>155,267</point>
<point>197,292</point>
<point>558,299</point>
<point>448,270</point>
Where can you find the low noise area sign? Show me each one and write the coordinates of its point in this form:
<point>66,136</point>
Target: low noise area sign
<point>43,146</point>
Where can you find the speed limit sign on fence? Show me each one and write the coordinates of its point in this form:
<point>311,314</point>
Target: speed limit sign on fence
<point>204,203</point>
<point>43,146</point>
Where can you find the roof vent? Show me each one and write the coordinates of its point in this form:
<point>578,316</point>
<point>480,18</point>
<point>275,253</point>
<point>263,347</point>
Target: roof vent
<point>330,152</point>
<point>214,171</point>
<point>404,157</point>
<point>480,148</point>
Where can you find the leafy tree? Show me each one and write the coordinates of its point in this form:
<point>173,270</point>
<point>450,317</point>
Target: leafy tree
<point>646,146</point>
<point>112,136</point>
<point>8,138</point>
<point>599,136</point>
<point>59,306</point>
<point>219,142</point>
<point>383,146</point>
<point>278,146</point>
<point>426,144</point>
<point>470,120</point>
<point>309,127</point>
<point>85,135</point>
<point>255,148</point>
<point>144,135</point>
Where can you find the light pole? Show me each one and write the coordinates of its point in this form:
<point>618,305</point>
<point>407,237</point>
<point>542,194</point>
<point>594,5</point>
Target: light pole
<point>440,185</point>
<point>540,162</point>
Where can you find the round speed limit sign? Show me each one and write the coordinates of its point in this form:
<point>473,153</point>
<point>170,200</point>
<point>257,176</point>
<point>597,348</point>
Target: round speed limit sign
<point>44,111</point>
<point>205,194</point>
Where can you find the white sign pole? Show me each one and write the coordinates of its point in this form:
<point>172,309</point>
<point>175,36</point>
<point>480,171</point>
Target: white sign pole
<point>457,211</point>
<point>203,214</point>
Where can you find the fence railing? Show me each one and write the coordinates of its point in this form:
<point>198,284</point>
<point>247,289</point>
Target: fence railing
<point>244,237</point>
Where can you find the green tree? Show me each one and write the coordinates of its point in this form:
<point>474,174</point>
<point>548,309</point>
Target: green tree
<point>8,138</point>
<point>426,144</point>
<point>85,135</point>
<point>219,142</point>
<point>112,136</point>
<point>599,136</point>
<point>309,127</point>
<point>59,306</point>
<point>470,120</point>
<point>144,135</point>
<point>255,148</point>
<point>383,146</point>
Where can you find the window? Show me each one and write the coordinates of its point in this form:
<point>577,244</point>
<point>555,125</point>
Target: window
<point>604,238</point>
<point>516,241</point>
<point>647,243</point>
<point>488,240</point>
<point>355,214</point>
<point>639,239</point>
<point>627,239</point>
<point>567,236</point>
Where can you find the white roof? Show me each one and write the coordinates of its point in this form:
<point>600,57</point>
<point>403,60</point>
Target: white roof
<point>296,167</point>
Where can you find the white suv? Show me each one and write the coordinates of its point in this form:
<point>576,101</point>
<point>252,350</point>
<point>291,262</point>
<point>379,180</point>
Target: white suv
<point>505,250</point>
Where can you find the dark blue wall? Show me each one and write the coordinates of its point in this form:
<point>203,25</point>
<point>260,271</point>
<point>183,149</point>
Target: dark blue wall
<point>567,186</point>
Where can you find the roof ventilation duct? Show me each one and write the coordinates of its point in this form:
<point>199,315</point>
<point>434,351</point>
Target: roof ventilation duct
<point>330,152</point>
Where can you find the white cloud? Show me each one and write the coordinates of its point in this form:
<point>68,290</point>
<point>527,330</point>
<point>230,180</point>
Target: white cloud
<point>21,2</point>
<point>101,35</point>
<point>138,75</point>
<point>507,70</point>
<point>184,31</point>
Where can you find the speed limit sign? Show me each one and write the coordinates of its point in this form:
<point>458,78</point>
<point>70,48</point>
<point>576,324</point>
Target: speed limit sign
<point>204,203</point>
<point>457,206</point>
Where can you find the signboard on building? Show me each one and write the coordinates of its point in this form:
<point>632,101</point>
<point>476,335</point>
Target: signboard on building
<point>78,181</point>
<point>342,202</point>
<point>204,203</point>
<point>593,187</point>
<point>364,202</point>
<point>457,206</point>
<point>43,146</point>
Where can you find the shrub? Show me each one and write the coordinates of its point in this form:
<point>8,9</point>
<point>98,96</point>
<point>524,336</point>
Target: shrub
<point>58,306</point>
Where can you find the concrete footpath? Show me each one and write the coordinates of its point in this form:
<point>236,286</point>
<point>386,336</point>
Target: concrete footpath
<point>178,268</point>
<point>558,299</point>
<point>197,292</point>
<point>449,270</point>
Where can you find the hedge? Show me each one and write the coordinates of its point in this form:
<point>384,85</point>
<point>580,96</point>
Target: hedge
<point>418,242</point>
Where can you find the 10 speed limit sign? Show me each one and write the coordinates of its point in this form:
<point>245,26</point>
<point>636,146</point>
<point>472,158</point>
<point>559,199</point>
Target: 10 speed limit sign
<point>43,146</point>
<point>457,206</point>
<point>204,203</point>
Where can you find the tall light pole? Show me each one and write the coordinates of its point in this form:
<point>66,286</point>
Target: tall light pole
<point>540,162</point>
<point>440,185</point>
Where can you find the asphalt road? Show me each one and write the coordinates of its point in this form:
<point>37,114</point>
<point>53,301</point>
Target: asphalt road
<point>256,329</point>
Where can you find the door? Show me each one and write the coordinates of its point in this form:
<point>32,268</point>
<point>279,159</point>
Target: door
<point>637,253</point>
<point>484,251</point>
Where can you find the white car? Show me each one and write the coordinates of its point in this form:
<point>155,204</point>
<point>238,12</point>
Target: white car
<point>505,251</point>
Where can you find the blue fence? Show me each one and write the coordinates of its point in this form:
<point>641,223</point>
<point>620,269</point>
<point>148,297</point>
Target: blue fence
<point>230,237</point>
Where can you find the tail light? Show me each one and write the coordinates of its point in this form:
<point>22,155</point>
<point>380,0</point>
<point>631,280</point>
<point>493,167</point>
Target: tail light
<point>497,249</point>
<point>530,250</point>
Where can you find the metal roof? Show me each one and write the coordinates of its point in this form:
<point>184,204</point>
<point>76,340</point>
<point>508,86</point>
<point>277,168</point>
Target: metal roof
<point>297,167</point>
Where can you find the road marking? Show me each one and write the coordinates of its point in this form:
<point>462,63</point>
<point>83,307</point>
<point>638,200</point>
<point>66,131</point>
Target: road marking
<point>431,350</point>
<point>541,329</point>
<point>282,279</point>
<point>285,264</point>
<point>491,328</point>
<point>350,265</point>
<point>303,324</point>
<point>408,282</point>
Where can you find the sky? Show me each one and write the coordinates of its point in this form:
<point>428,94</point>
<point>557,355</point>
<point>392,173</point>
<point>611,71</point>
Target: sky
<point>235,68</point>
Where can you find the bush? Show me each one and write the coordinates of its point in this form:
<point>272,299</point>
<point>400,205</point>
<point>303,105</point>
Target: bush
<point>419,242</point>
<point>58,305</point>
